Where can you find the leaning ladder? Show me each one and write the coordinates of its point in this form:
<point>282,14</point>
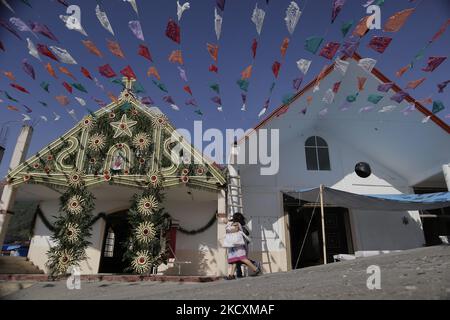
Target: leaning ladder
<point>234,195</point>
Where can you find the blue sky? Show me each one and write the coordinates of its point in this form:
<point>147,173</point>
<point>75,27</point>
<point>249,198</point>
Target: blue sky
<point>197,29</point>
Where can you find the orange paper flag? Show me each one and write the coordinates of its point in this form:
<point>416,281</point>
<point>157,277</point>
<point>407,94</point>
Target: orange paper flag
<point>176,57</point>
<point>414,84</point>
<point>50,70</point>
<point>213,51</point>
<point>66,72</point>
<point>247,73</point>
<point>153,72</point>
<point>361,83</point>
<point>63,100</point>
<point>12,108</point>
<point>309,99</point>
<point>402,71</point>
<point>361,29</point>
<point>9,75</point>
<point>112,97</point>
<point>395,22</point>
<point>284,46</point>
<point>115,49</point>
<point>92,48</point>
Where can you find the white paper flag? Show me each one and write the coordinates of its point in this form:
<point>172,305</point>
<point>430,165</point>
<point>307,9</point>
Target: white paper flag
<point>367,63</point>
<point>323,112</point>
<point>63,55</point>
<point>25,117</point>
<point>6,4</point>
<point>182,8</point>
<point>32,49</point>
<point>133,4</point>
<point>80,101</point>
<point>262,112</point>
<point>73,22</point>
<point>44,118</point>
<point>217,23</point>
<point>57,116</point>
<point>387,109</point>
<point>20,25</point>
<point>258,18</point>
<point>303,65</point>
<point>293,14</point>
<point>103,18</point>
<point>341,66</point>
<point>328,98</point>
<point>425,120</point>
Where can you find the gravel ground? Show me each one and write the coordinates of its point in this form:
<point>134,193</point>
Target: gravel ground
<point>422,273</point>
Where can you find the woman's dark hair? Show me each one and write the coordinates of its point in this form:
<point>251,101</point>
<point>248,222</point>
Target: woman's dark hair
<point>239,217</point>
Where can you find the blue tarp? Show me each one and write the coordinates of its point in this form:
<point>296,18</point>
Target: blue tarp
<point>383,202</point>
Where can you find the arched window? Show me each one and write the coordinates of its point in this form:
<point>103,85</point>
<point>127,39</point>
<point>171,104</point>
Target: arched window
<point>109,245</point>
<point>317,156</point>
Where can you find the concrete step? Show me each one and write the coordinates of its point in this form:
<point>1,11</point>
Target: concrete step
<point>17,265</point>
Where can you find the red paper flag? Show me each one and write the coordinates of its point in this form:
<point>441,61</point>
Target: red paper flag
<point>336,87</point>
<point>402,71</point>
<point>128,72</point>
<point>441,31</point>
<point>276,68</point>
<point>173,31</point>
<point>12,108</point>
<point>187,89</point>
<point>379,44</point>
<point>20,88</point>
<point>86,73</point>
<point>144,52</point>
<point>433,63</point>
<point>45,51</point>
<point>106,71</point>
<point>67,86</point>
<point>329,50</point>
<point>254,47</point>
<point>213,68</point>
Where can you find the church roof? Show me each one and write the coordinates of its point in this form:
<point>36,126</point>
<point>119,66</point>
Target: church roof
<point>124,143</point>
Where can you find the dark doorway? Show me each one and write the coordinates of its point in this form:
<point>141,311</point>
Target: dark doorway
<point>117,231</point>
<point>337,232</point>
<point>435,222</point>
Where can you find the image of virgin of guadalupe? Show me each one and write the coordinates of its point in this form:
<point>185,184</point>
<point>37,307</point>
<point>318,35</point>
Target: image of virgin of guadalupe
<point>118,161</point>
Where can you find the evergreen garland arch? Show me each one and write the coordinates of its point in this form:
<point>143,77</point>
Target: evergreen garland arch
<point>72,227</point>
<point>147,244</point>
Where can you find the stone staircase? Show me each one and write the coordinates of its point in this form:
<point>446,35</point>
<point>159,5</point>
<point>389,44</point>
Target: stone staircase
<point>17,265</point>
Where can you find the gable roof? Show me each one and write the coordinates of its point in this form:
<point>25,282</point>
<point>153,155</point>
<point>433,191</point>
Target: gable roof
<point>123,143</point>
<point>375,72</point>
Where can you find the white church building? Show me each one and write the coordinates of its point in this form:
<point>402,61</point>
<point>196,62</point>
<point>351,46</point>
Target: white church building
<point>317,146</point>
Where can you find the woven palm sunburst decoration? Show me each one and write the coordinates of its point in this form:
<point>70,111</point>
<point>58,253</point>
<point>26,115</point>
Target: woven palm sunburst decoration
<point>147,205</point>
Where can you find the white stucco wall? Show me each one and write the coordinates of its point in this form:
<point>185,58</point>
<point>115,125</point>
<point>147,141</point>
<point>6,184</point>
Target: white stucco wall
<point>371,231</point>
<point>201,249</point>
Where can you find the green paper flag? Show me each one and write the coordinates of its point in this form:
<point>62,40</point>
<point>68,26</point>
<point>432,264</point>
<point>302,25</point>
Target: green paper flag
<point>374,98</point>
<point>161,86</point>
<point>379,3</point>
<point>243,84</point>
<point>198,112</point>
<point>346,26</point>
<point>10,98</point>
<point>352,98</point>
<point>117,81</point>
<point>438,106</point>
<point>43,103</point>
<point>79,87</point>
<point>91,112</point>
<point>312,44</point>
<point>126,106</point>
<point>215,87</point>
<point>138,88</point>
<point>288,98</point>
<point>44,85</point>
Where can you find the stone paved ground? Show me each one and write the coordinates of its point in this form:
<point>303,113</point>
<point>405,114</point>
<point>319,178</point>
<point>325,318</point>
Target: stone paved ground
<point>422,273</point>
